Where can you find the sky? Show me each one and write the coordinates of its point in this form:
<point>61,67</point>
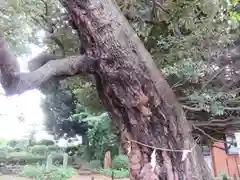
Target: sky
<point>26,105</point>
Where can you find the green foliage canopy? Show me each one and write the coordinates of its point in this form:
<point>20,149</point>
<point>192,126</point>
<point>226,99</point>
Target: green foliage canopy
<point>187,39</point>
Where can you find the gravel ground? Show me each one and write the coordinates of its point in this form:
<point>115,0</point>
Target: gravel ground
<point>8,177</point>
<point>89,177</point>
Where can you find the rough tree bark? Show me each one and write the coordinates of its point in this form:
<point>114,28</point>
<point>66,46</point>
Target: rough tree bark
<point>135,92</point>
<point>131,88</point>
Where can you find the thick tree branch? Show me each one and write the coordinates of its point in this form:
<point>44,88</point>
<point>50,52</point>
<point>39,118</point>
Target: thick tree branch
<point>212,78</point>
<point>42,68</point>
<point>218,127</point>
<point>46,7</point>
<point>69,66</point>
<point>206,134</point>
<point>201,109</point>
<point>156,3</point>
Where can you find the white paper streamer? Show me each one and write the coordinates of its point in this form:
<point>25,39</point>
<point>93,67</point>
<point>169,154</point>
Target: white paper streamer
<point>184,154</point>
<point>153,159</point>
<point>129,148</point>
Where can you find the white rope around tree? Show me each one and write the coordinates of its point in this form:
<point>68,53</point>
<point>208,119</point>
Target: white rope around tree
<point>153,155</point>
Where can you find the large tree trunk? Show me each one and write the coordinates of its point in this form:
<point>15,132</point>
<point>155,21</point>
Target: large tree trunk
<point>135,93</point>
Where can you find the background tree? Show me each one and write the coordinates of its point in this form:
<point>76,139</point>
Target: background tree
<point>58,106</point>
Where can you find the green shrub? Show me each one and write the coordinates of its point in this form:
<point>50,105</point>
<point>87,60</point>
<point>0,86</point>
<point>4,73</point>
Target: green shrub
<point>33,172</point>
<point>56,173</point>
<point>12,143</point>
<point>24,158</point>
<point>18,149</point>
<point>6,149</point>
<point>94,164</point>
<point>39,149</point>
<point>224,176</point>
<point>3,142</point>
<point>3,149</point>
<point>3,154</point>
<point>3,157</point>
<point>61,173</point>
<point>57,158</point>
<point>21,146</point>
<point>122,173</point>
<point>53,148</point>
<point>79,160</point>
<point>120,162</point>
<point>9,149</point>
<point>46,142</point>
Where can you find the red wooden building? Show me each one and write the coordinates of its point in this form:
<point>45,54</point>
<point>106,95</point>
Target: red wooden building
<point>223,158</point>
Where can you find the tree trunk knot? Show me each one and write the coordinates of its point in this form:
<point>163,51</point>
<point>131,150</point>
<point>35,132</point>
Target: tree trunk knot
<point>141,103</point>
